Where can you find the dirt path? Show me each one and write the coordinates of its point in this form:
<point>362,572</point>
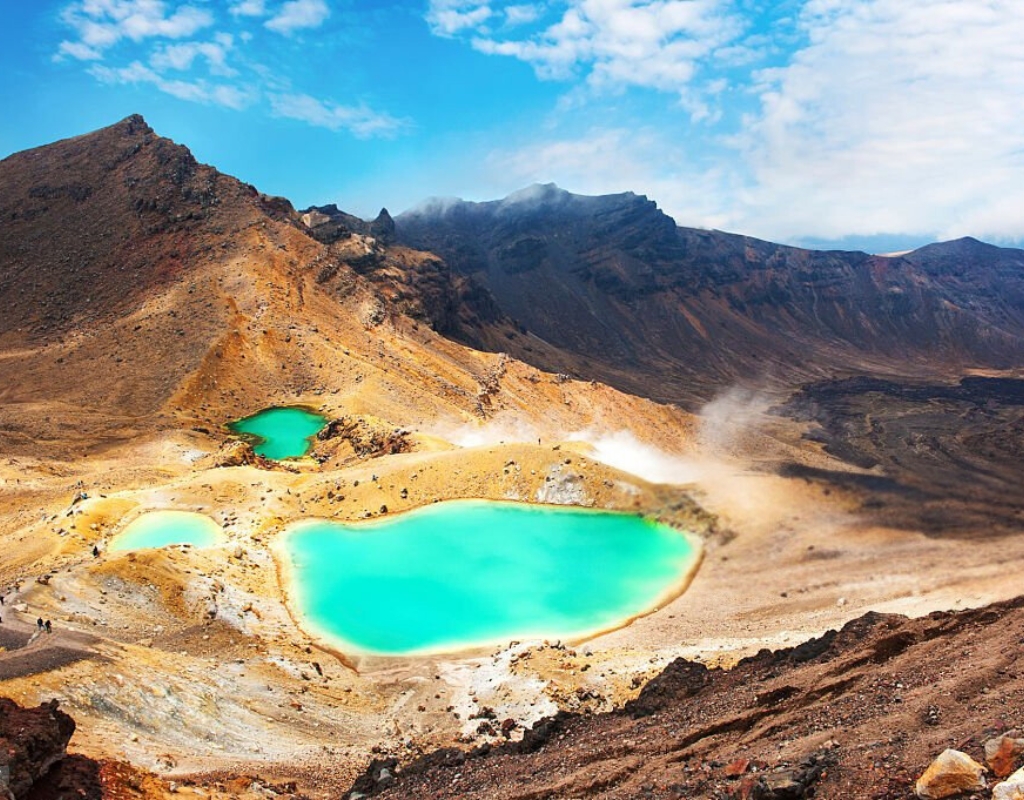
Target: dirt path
<point>28,650</point>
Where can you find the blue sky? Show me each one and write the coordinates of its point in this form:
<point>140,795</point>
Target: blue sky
<point>872,123</point>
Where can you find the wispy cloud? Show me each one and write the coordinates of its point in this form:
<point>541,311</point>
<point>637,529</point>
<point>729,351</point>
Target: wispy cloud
<point>150,42</point>
<point>248,8</point>
<point>875,117</point>
<point>523,14</point>
<point>182,56</point>
<point>78,50</point>
<point>198,91</point>
<point>618,159</point>
<point>299,14</point>
<point>361,121</point>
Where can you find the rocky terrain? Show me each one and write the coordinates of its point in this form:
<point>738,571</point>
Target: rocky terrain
<point>944,459</point>
<point>550,349</point>
<point>859,712</point>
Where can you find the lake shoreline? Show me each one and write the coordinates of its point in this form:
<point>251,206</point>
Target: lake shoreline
<point>456,647</point>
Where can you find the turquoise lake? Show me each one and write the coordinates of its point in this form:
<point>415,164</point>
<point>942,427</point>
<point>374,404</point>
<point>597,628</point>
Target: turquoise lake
<point>163,528</point>
<point>471,573</point>
<point>281,432</point>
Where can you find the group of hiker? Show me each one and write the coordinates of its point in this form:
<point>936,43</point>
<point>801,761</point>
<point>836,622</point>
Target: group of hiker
<point>41,624</point>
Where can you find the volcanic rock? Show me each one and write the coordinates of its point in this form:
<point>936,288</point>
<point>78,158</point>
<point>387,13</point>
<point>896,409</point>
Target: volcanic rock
<point>951,773</point>
<point>367,436</point>
<point>234,454</point>
<point>32,741</point>
<point>779,709</point>
<point>1003,754</point>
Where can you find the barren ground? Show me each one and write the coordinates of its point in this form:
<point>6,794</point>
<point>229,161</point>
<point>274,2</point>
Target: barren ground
<point>188,663</point>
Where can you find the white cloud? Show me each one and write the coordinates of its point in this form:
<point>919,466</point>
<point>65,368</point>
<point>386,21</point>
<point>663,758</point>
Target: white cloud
<point>297,14</point>
<point>183,22</point>
<point>897,116</point>
<point>79,50</point>
<point>881,116</point>
<point>450,17</point>
<point>100,24</point>
<point>522,15</point>
<point>248,8</point>
<point>181,56</point>
<point>199,91</point>
<point>360,121</point>
<point>140,42</point>
<point>657,44</point>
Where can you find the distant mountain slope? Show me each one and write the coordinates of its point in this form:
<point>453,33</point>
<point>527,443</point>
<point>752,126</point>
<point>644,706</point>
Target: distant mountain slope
<point>674,312</point>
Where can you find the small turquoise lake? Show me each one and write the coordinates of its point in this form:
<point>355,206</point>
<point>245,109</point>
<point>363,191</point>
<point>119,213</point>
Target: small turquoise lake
<point>163,528</point>
<point>471,573</point>
<point>282,432</point>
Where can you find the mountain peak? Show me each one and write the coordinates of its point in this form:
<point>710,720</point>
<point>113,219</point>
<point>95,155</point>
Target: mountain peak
<point>952,256</point>
<point>115,212</point>
<point>545,199</point>
<point>537,193</point>
<point>133,124</point>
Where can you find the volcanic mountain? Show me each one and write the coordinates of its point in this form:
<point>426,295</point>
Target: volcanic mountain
<point>673,313</point>
<point>139,283</point>
<point>149,300</point>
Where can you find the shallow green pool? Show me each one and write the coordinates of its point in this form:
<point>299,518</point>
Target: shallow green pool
<point>283,432</point>
<point>162,528</point>
<point>467,573</point>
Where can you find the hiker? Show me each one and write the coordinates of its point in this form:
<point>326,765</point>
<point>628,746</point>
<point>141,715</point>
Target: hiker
<point>48,627</point>
<point>1,599</point>
<point>95,551</point>
<point>39,623</point>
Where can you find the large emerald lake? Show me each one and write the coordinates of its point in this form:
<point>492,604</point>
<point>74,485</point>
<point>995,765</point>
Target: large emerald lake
<point>282,432</point>
<point>468,573</point>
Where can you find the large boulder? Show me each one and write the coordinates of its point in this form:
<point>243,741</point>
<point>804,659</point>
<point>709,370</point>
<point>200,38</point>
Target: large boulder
<point>368,436</point>
<point>950,774</point>
<point>234,453</point>
<point>32,741</point>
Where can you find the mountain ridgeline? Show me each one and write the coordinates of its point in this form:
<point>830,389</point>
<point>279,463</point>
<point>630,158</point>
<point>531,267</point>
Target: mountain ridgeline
<point>675,313</point>
<point>604,288</point>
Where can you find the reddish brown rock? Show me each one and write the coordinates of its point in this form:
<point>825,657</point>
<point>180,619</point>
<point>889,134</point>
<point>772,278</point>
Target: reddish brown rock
<point>1004,753</point>
<point>737,767</point>
<point>32,740</point>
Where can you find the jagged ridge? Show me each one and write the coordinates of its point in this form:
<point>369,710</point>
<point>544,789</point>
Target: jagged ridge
<point>675,313</point>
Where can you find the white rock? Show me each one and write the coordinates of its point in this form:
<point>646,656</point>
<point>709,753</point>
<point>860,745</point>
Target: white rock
<point>1010,789</point>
